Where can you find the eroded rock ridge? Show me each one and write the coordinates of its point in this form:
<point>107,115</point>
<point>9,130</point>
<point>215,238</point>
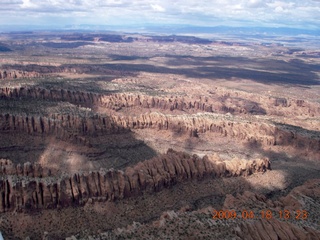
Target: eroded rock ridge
<point>29,189</point>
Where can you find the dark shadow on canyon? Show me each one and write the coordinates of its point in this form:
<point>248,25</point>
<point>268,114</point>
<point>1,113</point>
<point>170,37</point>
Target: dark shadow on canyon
<point>90,85</point>
<point>70,137</point>
<point>195,193</point>
<point>296,169</point>
<point>146,206</point>
<point>267,71</point>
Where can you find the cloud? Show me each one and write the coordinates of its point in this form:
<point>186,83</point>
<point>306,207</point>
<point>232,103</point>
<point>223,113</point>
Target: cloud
<point>280,6</point>
<point>205,12</point>
<point>27,4</point>
<point>157,8</point>
<point>256,4</point>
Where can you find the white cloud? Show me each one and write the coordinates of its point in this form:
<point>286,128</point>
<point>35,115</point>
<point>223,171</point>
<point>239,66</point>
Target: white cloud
<point>205,12</point>
<point>256,3</point>
<point>27,4</point>
<point>279,9</point>
<point>157,8</point>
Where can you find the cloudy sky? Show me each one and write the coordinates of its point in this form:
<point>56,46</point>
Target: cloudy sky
<point>273,13</point>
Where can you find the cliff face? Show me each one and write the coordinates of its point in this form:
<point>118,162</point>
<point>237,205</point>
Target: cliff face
<point>27,169</point>
<point>13,74</point>
<point>29,189</point>
<point>223,102</point>
<point>115,101</point>
<point>52,95</point>
<point>49,68</point>
<point>64,126</point>
<point>76,128</point>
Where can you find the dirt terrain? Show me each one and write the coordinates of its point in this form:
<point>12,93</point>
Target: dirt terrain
<point>127,136</point>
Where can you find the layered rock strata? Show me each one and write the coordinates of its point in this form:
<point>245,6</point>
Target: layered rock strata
<point>27,169</point>
<point>29,190</point>
<point>13,74</point>
<point>50,69</point>
<point>114,101</point>
<point>236,103</point>
<point>76,127</point>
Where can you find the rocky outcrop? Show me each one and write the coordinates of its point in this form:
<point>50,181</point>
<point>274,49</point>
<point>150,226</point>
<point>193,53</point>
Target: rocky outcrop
<point>52,95</point>
<point>13,74</point>
<point>274,229</point>
<point>51,69</point>
<point>205,223</point>
<point>114,101</point>
<point>31,190</point>
<point>236,101</point>
<point>297,199</point>
<point>117,101</point>
<point>71,126</point>
<point>62,127</point>
<point>301,199</point>
<point>27,169</point>
<point>221,102</point>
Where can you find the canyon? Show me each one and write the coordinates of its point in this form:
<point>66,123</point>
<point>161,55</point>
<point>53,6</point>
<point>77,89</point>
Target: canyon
<point>120,136</point>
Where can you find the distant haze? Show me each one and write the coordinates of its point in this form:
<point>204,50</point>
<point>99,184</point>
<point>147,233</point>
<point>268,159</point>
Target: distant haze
<point>54,14</point>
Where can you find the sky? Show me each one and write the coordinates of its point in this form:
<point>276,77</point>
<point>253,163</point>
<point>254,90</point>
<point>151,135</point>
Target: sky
<point>240,13</point>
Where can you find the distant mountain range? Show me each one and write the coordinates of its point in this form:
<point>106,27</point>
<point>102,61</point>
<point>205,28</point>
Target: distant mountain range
<point>248,30</point>
<point>171,29</point>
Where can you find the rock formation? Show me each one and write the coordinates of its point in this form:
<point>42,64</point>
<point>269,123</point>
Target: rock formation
<point>27,169</point>
<point>220,102</point>
<point>301,198</point>
<point>73,127</point>
<point>191,223</point>
<point>13,74</point>
<point>274,229</point>
<point>51,69</point>
<point>29,189</point>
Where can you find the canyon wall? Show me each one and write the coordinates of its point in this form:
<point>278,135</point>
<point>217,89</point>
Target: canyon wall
<point>76,127</point>
<point>114,101</point>
<point>27,169</point>
<point>13,74</point>
<point>43,69</point>
<point>30,190</point>
<point>236,103</point>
